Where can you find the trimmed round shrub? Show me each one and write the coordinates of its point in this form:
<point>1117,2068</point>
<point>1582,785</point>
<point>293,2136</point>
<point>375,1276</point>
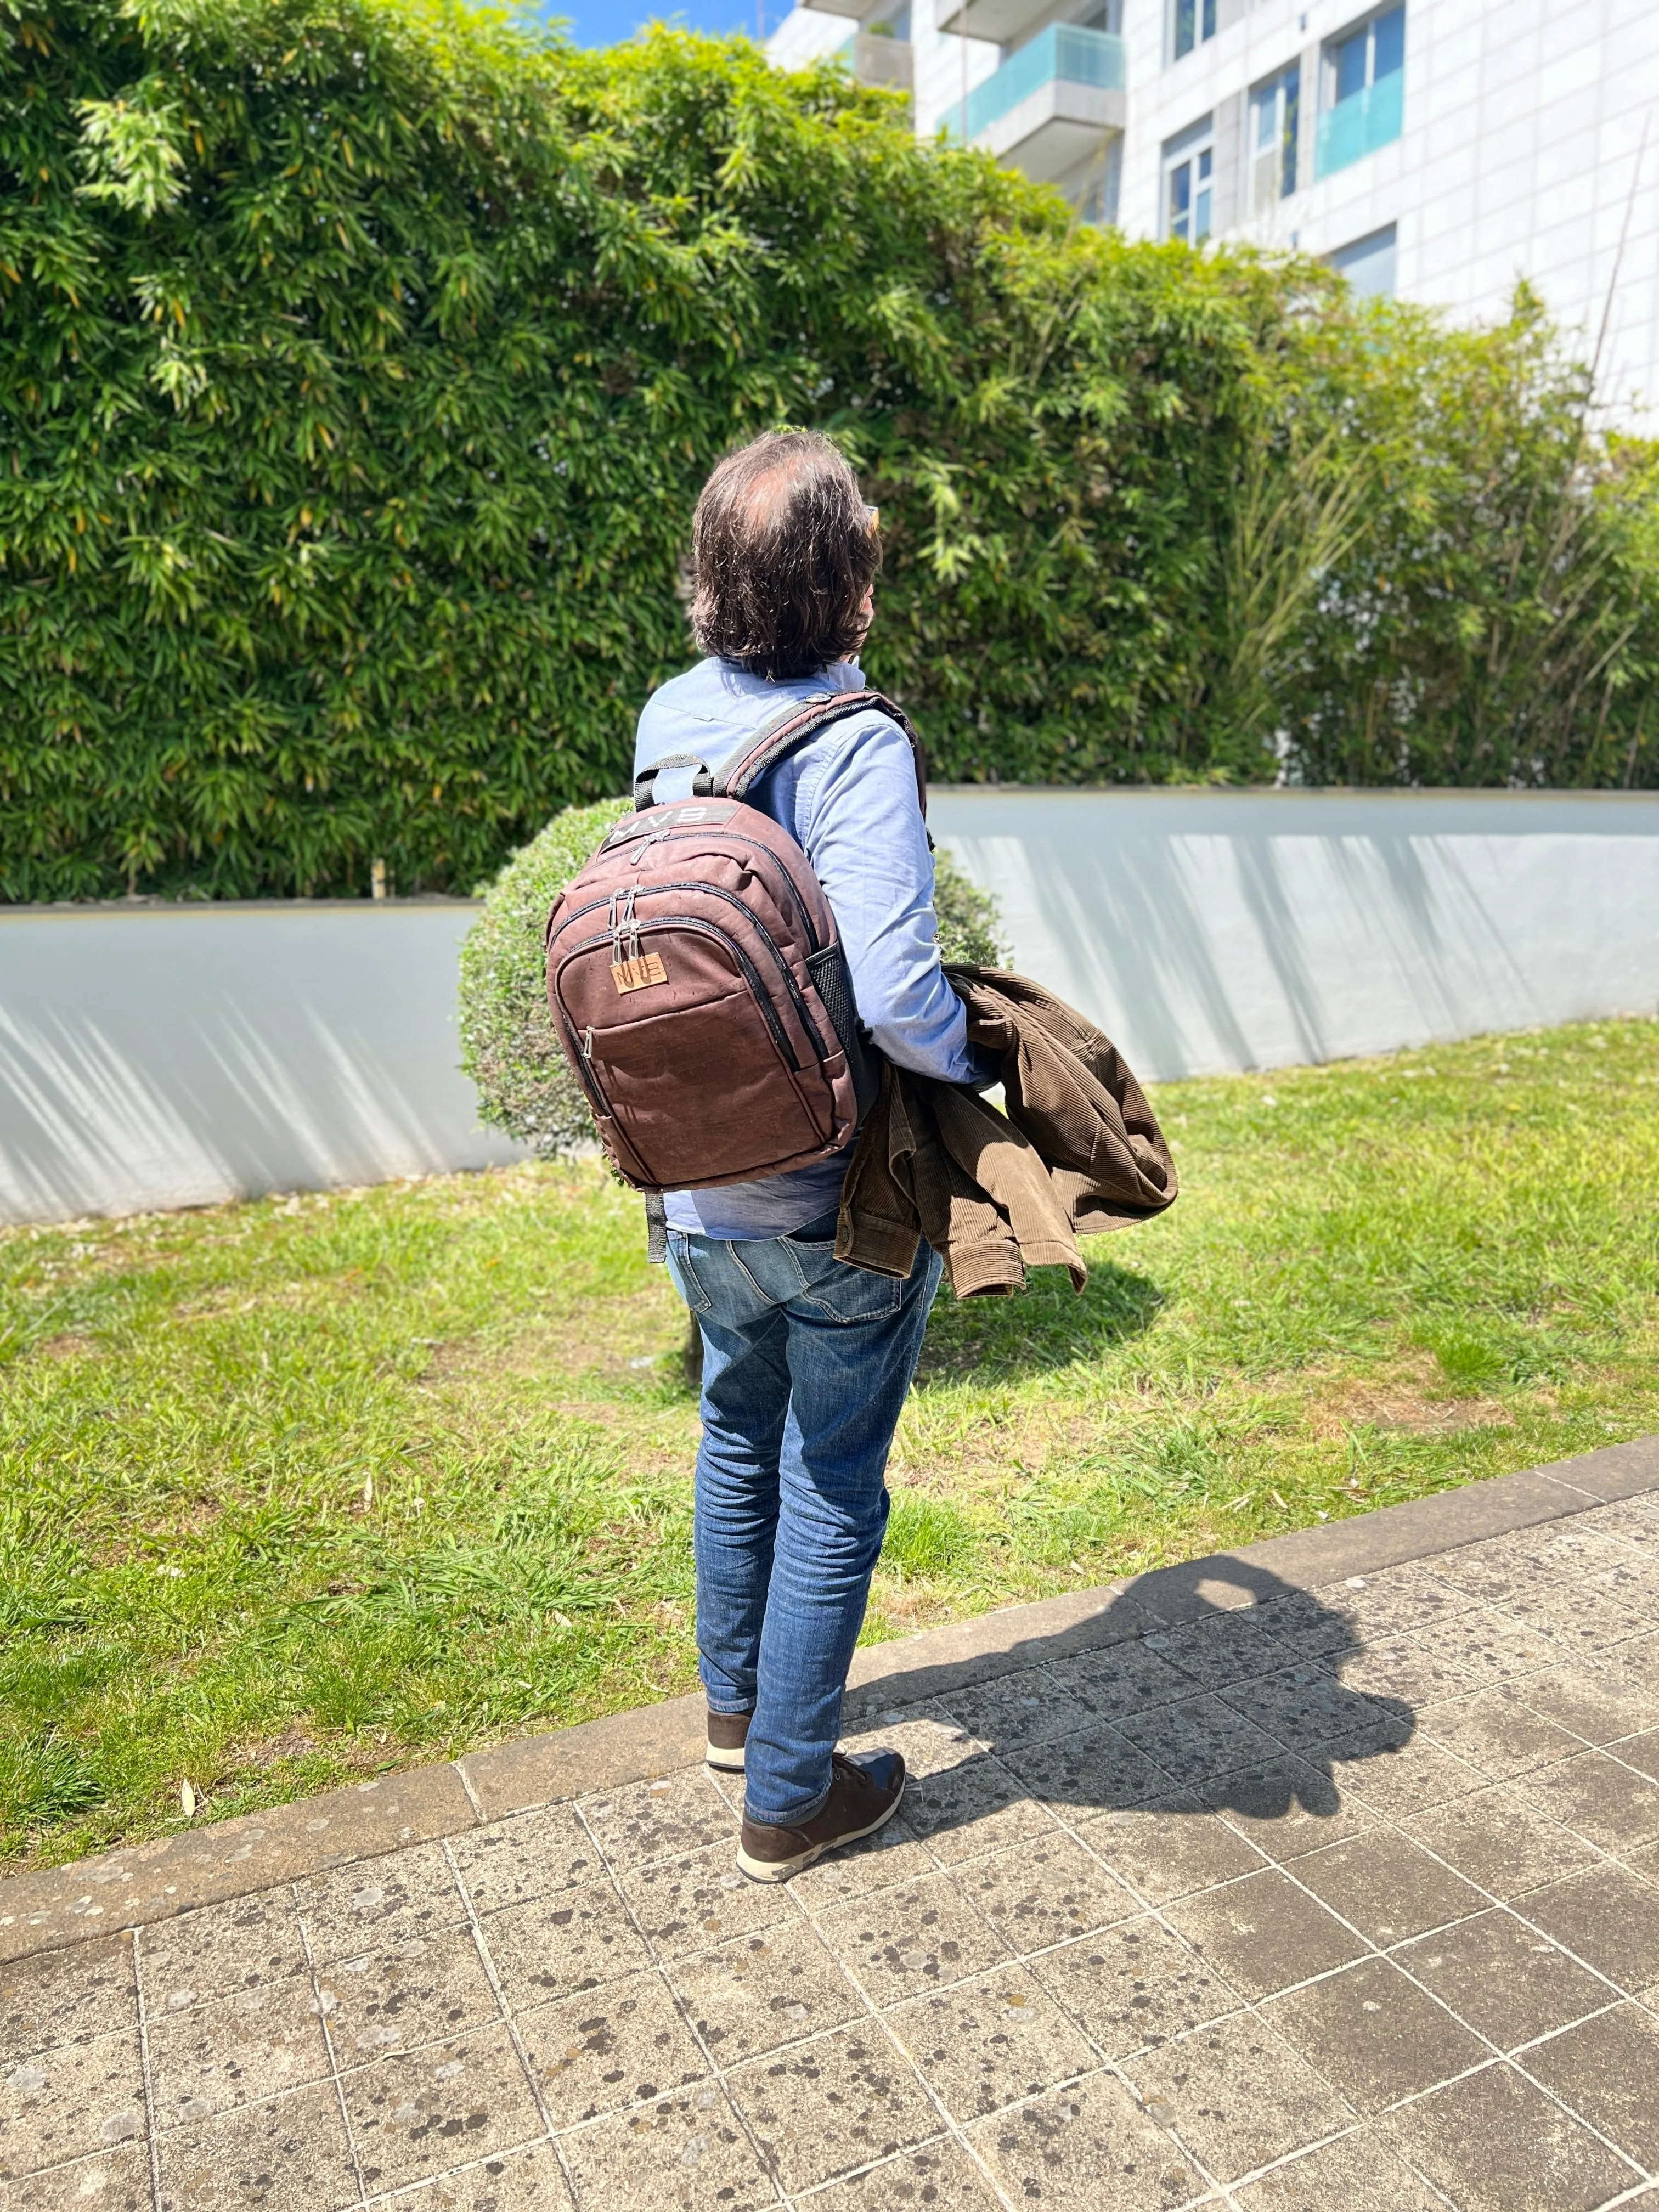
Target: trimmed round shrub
<point>508,1045</point>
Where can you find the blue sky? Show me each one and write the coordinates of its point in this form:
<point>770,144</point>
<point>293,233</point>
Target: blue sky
<point>601,22</point>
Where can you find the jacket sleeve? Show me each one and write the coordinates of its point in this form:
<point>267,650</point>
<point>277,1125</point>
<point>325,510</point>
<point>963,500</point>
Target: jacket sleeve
<point>864,837</point>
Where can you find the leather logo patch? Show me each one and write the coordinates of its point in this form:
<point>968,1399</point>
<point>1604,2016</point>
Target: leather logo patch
<point>637,975</point>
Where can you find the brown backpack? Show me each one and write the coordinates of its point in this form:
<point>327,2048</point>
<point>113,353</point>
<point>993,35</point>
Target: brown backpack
<point>698,981</point>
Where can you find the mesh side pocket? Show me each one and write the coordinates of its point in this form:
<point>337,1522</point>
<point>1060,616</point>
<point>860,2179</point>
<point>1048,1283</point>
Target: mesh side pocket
<point>828,969</point>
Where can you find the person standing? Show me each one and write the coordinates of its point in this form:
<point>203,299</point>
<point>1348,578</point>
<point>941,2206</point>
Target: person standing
<point>807,1361</point>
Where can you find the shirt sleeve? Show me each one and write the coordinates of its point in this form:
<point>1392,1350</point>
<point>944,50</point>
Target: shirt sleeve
<point>866,838</point>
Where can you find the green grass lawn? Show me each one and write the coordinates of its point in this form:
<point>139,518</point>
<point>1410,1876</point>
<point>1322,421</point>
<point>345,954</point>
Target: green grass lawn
<point>299,1490</point>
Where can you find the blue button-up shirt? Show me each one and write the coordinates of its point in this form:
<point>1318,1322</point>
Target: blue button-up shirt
<point>849,798</point>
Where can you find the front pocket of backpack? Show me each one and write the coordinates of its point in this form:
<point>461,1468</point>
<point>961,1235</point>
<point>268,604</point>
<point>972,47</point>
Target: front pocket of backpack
<point>703,1093</point>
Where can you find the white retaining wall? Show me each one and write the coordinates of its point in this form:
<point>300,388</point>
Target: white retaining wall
<point>176,1056</point>
<point>1252,929</point>
<point>164,1056</point>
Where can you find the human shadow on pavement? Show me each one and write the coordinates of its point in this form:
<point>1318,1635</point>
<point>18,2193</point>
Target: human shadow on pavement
<point>1168,1697</point>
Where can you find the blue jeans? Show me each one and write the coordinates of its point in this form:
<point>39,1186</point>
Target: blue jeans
<point>806,1366</point>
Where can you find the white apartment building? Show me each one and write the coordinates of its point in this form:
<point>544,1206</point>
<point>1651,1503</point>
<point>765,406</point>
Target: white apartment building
<point>1440,149</point>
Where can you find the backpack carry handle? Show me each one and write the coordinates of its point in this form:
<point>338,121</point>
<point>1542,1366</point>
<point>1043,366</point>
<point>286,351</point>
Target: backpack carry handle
<point>645,783</point>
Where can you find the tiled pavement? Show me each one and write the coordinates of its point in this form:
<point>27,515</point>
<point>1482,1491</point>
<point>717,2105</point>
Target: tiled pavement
<point>1343,1900</point>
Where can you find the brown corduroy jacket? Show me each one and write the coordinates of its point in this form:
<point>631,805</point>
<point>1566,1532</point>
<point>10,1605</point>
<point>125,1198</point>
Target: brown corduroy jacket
<point>1077,1151</point>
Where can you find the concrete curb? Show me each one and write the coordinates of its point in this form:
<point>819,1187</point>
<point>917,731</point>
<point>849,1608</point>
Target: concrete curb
<point>121,1889</point>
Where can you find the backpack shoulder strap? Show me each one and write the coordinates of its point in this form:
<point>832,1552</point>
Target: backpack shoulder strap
<point>784,731</point>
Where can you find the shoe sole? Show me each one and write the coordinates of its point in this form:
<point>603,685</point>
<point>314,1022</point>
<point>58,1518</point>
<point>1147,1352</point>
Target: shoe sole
<point>780,1869</point>
<point>722,1760</point>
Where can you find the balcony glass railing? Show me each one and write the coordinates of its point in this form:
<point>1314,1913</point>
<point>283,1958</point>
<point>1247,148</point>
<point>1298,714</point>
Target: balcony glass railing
<point>1064,53</point>
<point>1360,124</point>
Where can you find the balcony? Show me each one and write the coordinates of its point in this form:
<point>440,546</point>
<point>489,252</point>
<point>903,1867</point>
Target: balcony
<point>1360,124</point>
<point>998,22</point>
<point>870,59</point>
<point>1051,104</point>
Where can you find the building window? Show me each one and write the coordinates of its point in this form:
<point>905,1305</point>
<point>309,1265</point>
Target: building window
<point>1363,91</point>
<point>1275,115</point>
<point>1368,263</point>
<point>1189,185</point>
<point>1194,21</point>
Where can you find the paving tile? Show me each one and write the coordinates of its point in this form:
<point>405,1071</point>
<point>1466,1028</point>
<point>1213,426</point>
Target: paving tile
<point>621,2045</point>
<point>1398,1600</point>
<point>685,1904</point>
<point>527,2180</point>
<point>1639,1659</point>
<point>409,1994</point>
<point>658,1820</point>
<point>1509,1983</point>
<point>289,2155</point>
<point>235,2049</point>
<point>1583,1621</point>
<point>81,2098</point>
<point>1215,1651</point>
<point>1044,1893</point>
<point>1398,1667</point>
<point>1081,2148</point>
<point>1490,1570</point>
<point>510,1862</point>
<point>1113,1684</point>
<point>573,1940</point>
<point>930,1739</point>
<point>749,1996</point>
<point>920,1934</point>
<point>940,2176</point>
<point>1134,1985</point>
<point>1388,1887</point>
<point>1305,1707</point>
<point>1397,1779</point>
<point>1492,1647</point>
<point>386,1900</point>
<point>1286,1806</point>
<point>1598,1798</point>
<point>1609,1918</point>
<point>1607,2070</point>
<point>821,2107</point>
<point>1200,1737</point>
<point>891,1854</point>
<point>1374,2034</point>
<point>1093,1771</point>
<point>1014,1709</point>
<point>1596,1706</point>
<point>443,2105</point>
<point>1356,2173</point>
<point>234,1946</point>
<point>686,2153</point>
<point>1264,1934</point>
<point>115,2181</point>
<point>976,1807</point>
<point>1326,1619</point>
<point>1498,1733</point>
<point>65,1996</point>
<point>1170,1847</point>
<point>989,2042</point>
<point>1494,2143</point>
<point>1237,2094</point>
<point>1641,1752</point>
<point>1496,1839</point>
<point>992,2040</point>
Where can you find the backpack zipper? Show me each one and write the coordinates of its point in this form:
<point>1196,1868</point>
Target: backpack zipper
<point>744,966</point>
<point>713,891</point>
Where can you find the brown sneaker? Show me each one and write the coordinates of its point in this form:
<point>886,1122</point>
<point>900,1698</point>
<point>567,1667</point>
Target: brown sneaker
<point>864,1795</point>
<point>727,1735</point>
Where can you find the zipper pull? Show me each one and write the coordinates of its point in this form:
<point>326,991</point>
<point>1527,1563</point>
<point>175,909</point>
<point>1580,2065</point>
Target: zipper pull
<point>587,1042</point>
